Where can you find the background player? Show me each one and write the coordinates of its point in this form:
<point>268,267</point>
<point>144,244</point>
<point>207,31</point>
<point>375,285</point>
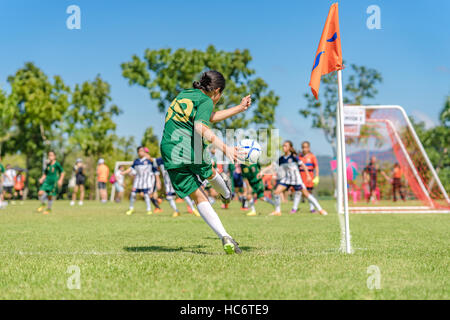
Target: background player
<point>310,161</point>
<point>254,186</point>
<point>50,181</point>
<point>290,163</point>
<point>144,179</point>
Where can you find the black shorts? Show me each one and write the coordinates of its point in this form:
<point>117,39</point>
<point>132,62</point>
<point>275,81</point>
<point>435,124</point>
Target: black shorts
<point>80,180</point>
<point>102,185</point>
<point>8,189</point>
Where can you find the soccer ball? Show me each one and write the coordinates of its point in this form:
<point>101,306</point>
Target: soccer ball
<point>252,150</point>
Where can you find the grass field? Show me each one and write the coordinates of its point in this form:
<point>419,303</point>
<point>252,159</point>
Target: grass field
<point>160,257</point>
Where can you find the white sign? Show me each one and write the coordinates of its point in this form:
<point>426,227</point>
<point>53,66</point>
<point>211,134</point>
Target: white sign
<point>352,130</point>
<point>354,116</point>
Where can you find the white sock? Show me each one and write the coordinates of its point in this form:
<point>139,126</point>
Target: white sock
<point>172,203</point>
<point>189,202</point>
<point>211,200</point>
<point>297,198</point>
<point>132,199</point>
<point>50,203</point>
<point>312,200</point>
<point>277,203</point>
<point>211,218</point>
<point>147,202</point>
<point>43,198</point>
<point>311,207</point>
<point>220,186</point>
<point>252,203</point>
<point>268,200</point>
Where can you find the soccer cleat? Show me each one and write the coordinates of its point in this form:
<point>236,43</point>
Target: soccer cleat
<point>149,212</point>
<point>72,203</point>
<point>252,213</point>
<point>244,209</point>
<point>224,206</point>
<point>189,209</point>
<point>176,214</point>
<point>228,184</point>
<point>196,213</point>
<point>275,213</point>
<point>41,208</point>
<point>47,211</point>
<point>130,212</point>
<point>230,246</point>
<point>80,203</point>
<point>293,211</point>
<point>312,210</point>
<point>158,210</point>
<point>323,212</point>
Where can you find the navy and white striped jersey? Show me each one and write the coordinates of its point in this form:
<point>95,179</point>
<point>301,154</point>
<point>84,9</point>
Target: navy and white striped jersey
<point>290,173</point>
<point>144,171</point>
<point>167,183</point>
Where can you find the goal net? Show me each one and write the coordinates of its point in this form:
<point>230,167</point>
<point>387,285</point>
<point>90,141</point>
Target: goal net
<point>386,135</point>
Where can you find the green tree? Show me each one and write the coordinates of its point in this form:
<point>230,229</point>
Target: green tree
<point>151,141</point>
<point>436,142</point>
<point>360,85</point>
<point>164,73</point>
<point>38,105</point>
<point>90,123</point>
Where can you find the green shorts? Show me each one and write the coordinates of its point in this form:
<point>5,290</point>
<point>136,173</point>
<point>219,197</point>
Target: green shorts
<point>257,187</point>
<point>189,178</point>
<point>49,188</point>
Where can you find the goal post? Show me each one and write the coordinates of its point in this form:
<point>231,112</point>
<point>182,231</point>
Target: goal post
<point>116,166</point>
<point>386,132</point>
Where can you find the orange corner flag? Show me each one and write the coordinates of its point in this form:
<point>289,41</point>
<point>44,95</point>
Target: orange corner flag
<point>329,53</point>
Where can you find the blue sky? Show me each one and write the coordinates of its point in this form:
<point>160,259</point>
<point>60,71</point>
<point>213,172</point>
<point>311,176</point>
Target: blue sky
<point>411,50</point>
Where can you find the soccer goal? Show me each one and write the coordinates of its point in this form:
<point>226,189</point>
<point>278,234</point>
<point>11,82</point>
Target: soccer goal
<point>386,133</point>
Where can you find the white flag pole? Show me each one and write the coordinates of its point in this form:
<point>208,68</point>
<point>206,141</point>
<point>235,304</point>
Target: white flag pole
<point>339,183</point>
<point>343,160</point>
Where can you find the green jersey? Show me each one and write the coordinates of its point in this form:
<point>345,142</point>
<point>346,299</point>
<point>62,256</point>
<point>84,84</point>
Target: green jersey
<point>2,168</point>
<point>180,144</point>
<point>250,171</point>
<point>53,172</point>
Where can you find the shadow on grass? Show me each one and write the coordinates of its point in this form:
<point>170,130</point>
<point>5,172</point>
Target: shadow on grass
<point>192,249</point>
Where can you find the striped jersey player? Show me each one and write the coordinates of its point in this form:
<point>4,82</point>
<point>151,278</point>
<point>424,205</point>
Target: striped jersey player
<point>145,178</point>
<point>289,164</point>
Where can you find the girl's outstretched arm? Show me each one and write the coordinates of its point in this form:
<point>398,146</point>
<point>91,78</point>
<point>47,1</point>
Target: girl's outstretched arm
<point>227,113</point>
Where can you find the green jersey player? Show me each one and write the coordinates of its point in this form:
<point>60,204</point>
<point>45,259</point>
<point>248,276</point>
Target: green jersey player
<point>255,186</point>
<point>50,181</point>
<point>185,137</point>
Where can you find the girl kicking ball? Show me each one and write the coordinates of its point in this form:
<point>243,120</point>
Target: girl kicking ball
<point>50,181</point>
<point>187,127</point>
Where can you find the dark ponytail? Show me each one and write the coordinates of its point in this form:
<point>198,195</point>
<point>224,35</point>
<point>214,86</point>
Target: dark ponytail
<point>291,147</point>
<point>210,81</point>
